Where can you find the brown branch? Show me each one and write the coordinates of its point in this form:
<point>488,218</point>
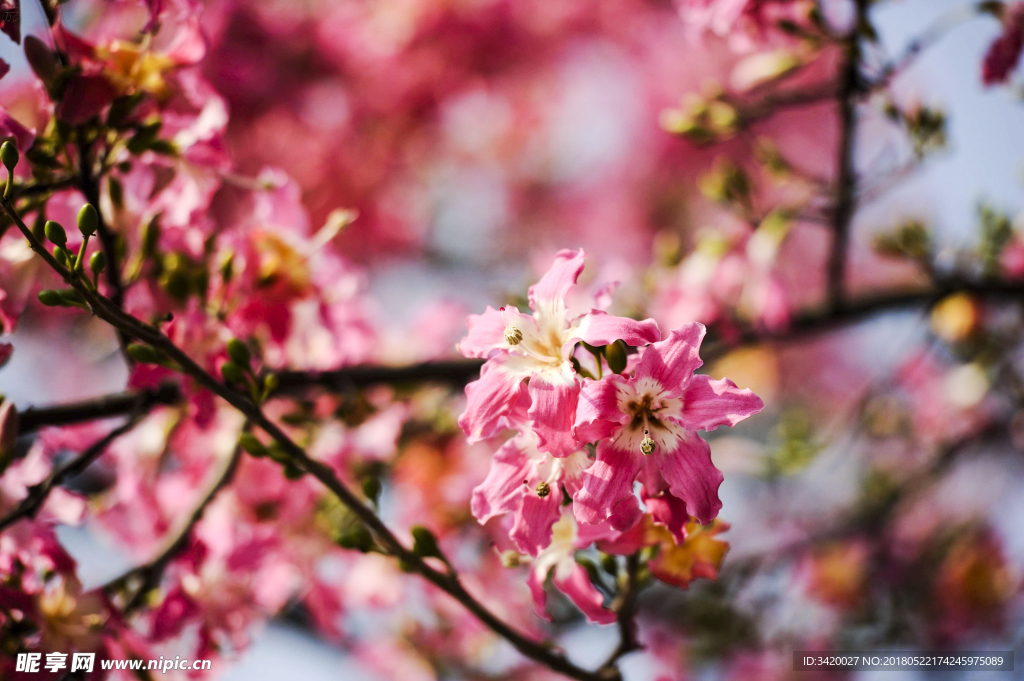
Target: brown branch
<point>456,372</point>
<point>104,308</point>
<point>151,572</point>
<point>106,406</point>
<point>37,495</point>
<point>89,186</point>
<point>846,180</point>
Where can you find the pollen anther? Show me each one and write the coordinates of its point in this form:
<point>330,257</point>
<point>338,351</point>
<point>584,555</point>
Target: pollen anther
<point>543,489</point>
<point>513,336</point>
<point>647,444</point>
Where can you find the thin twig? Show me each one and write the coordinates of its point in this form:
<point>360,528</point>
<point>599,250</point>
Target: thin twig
<point>37,495</point>
<point>626,613</point>
<point>151,572</point>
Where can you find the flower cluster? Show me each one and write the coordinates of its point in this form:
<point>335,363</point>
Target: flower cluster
<point>588,438</point>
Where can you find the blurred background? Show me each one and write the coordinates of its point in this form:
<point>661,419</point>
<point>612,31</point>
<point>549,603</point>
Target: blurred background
<point>477,139</point>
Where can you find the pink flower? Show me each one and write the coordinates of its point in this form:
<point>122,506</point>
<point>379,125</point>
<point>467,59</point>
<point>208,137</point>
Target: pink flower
<point>1004,53</point>
<point>538,347</point>
<point>527,483</point>
<point>648,422</point>
<point>571,578</point>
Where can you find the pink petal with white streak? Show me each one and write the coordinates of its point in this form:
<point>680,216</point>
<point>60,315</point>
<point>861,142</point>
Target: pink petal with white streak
<point>671,362</point>
<point>607,482</point>
<point>710,403</point>
<point>588,599</point>
<point>691,475</point>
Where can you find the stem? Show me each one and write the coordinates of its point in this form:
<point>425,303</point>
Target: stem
<point>627,610</point>
<point>89,186</point>
<point>107,406</point>
<point>106,310</point>
<point>846,180</point>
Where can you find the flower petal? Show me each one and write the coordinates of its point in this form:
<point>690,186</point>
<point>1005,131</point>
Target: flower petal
<point>492,395</point>
<point>578,588</point>
<point>486,333</point>
<point>600,328</point>
<point>669,511</point>
<point>710,403</point>
<point>606,483</point>
<point>554,395</point>
<point>539,594</point>
<point>531,530</point>
<point>691,476</point>
<point>671,362</point>
<point>502,490</point>
<point>547,296</point>
<point>597,412</point>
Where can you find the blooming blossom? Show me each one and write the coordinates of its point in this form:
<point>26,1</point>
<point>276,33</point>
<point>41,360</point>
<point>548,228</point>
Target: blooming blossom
<point>527,483</point>
<point>539,347</point>
<point>648,424</point>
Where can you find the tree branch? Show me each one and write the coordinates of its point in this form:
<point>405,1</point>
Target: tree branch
<point>106,406</point>
<point>105,309</point>
<point>846,180</point>
<point>150,573</point>
<point>627,610</point>
<point>37,495</point>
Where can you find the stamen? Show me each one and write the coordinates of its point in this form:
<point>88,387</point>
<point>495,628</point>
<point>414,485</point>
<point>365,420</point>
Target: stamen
<point>513,336</point>
<point>543,489</point>
<point>647,444</point>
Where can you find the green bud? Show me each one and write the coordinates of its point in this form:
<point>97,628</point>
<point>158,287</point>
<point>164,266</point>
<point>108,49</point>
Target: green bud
<point>144,354</point>
<point>615,355</point>
<point>276,453</point>
<point>293,472</point>
<point>88,220</point>
<point>97,262</point>
<point>356,537</point>
<point>252,445</point>
<point>610,564</point>
<point>232,373</point>
<point>9,155</point>
<point>50,298</point>
<point>424,543</point>
<point>372,488</point>
<point>61,256</point>
<point>271,383</point>
<point>55,233</point>
<point>239,353</point>
<point>71,297</point>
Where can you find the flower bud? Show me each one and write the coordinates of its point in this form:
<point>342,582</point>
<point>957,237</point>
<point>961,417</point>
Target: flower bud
<point>615,355</point>
<point>9,155</point>
<point>61,256</point>
<point>372,488</point>
<point>55,233</point>
<point>50,298</point>
<point>232,373</point>
<point>239,353</point>
<point>71,297</point>
<point>97,262</point>
<point>251,444</point>
<point>424,543</point>
<point>271,383</point>
<point>88,220</point>
<point>144,354</point>
<point>356,537</point>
